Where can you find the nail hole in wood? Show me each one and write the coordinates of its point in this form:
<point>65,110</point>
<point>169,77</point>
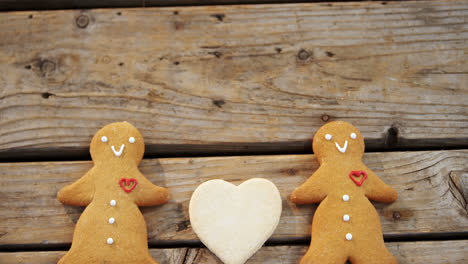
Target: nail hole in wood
<point>175,12</point>
<point>28,67</point>
<point>30,16</point>
<point>121,64</point>
<point>119,13</point>
<point>217,54</point>
<point>46,95</point>
<point>220,17</point>
<point>176,63</point>
<point>278,50</point>
<point>219,103</point>
<point>325,118</point>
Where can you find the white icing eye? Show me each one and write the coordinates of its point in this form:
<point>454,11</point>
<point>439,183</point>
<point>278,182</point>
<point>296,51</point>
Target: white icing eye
<point>104,139</point>
<point>131,140</point>
<point>353,135</point>
<point>328,136</point>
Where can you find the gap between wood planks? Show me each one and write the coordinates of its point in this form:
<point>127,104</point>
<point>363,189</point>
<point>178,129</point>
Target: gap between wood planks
<point>17,5</point>
<point>224,149</point>
<point>415,252</point>
<point>410,237</point>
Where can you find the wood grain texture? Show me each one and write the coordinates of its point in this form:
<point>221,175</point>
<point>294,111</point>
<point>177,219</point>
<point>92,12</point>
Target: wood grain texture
<point>436,252</point>
<point>234,78</point>
<point>428,201</point>
<point>82,4</point>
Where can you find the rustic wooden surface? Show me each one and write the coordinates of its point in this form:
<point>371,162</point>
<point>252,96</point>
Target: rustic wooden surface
<point>227,80</point>
<point>82,4</point>
<point>252,78</point>
<point>436,252</point>
<point>429,201</point>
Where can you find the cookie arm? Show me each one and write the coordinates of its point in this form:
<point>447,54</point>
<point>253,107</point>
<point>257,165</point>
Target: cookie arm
<point>314,190</point>
<point>148,194</point>
<point>378,191</point>
<point>79,193</point>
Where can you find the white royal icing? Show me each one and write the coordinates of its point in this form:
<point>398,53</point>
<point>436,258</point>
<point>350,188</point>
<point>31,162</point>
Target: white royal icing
<point>131,140</point>
<point>353,135</point>
<point>346,218</point>
<point>110,241</point>
<point>342,149</point>
<point>118,153</point>
<point>111,220</point>
<point>349,236</point>
<point>345,197</point>
<point>328,136</point>
<point>104,139</point>
<point>113,203</point>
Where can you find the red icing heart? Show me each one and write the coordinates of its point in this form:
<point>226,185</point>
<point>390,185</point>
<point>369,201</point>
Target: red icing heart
<point>127,187</point>
<point>355,174</point>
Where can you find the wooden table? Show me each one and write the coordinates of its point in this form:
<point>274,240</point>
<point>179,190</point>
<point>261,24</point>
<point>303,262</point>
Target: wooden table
<point>234,92</point>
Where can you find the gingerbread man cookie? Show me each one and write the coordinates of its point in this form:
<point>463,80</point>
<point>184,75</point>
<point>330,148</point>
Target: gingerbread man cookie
<point>112,228</point>
<point>346,225</point>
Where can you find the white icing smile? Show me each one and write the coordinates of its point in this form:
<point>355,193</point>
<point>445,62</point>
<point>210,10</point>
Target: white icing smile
<point>342,149</point>
<point>118,153</point>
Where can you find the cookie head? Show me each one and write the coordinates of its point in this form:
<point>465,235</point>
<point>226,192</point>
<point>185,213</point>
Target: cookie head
<point>338,140</point>
<point>117,142</point>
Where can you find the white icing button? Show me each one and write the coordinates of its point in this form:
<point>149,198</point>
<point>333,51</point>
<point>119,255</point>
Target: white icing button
<point>131,140</point>
<point>104,139</point>
<point>345,197</point>
<point>346,218</point>
<point>110,241</point>
<point>353,135</point>
<point>349,236</point>
<point>111,220</point>
<point>113,203</point>
<point>328,136</point>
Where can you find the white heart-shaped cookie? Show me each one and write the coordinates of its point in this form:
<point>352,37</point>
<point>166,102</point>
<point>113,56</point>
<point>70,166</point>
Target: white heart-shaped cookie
<point>234,221</point>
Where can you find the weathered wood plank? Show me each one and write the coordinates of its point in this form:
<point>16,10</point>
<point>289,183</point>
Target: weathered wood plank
<point>428,201</point>
<point>233,79</point>
<point>436,252</point>
<point>85,4</point>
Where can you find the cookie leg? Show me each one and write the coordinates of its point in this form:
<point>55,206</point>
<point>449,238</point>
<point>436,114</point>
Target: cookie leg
<point>317,255</point>
<point>381,256</point>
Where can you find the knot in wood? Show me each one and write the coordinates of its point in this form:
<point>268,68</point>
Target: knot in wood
<point>396,215</point>
<point>82,21</point>
<point>303,55</point>
<point>47,66</point>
